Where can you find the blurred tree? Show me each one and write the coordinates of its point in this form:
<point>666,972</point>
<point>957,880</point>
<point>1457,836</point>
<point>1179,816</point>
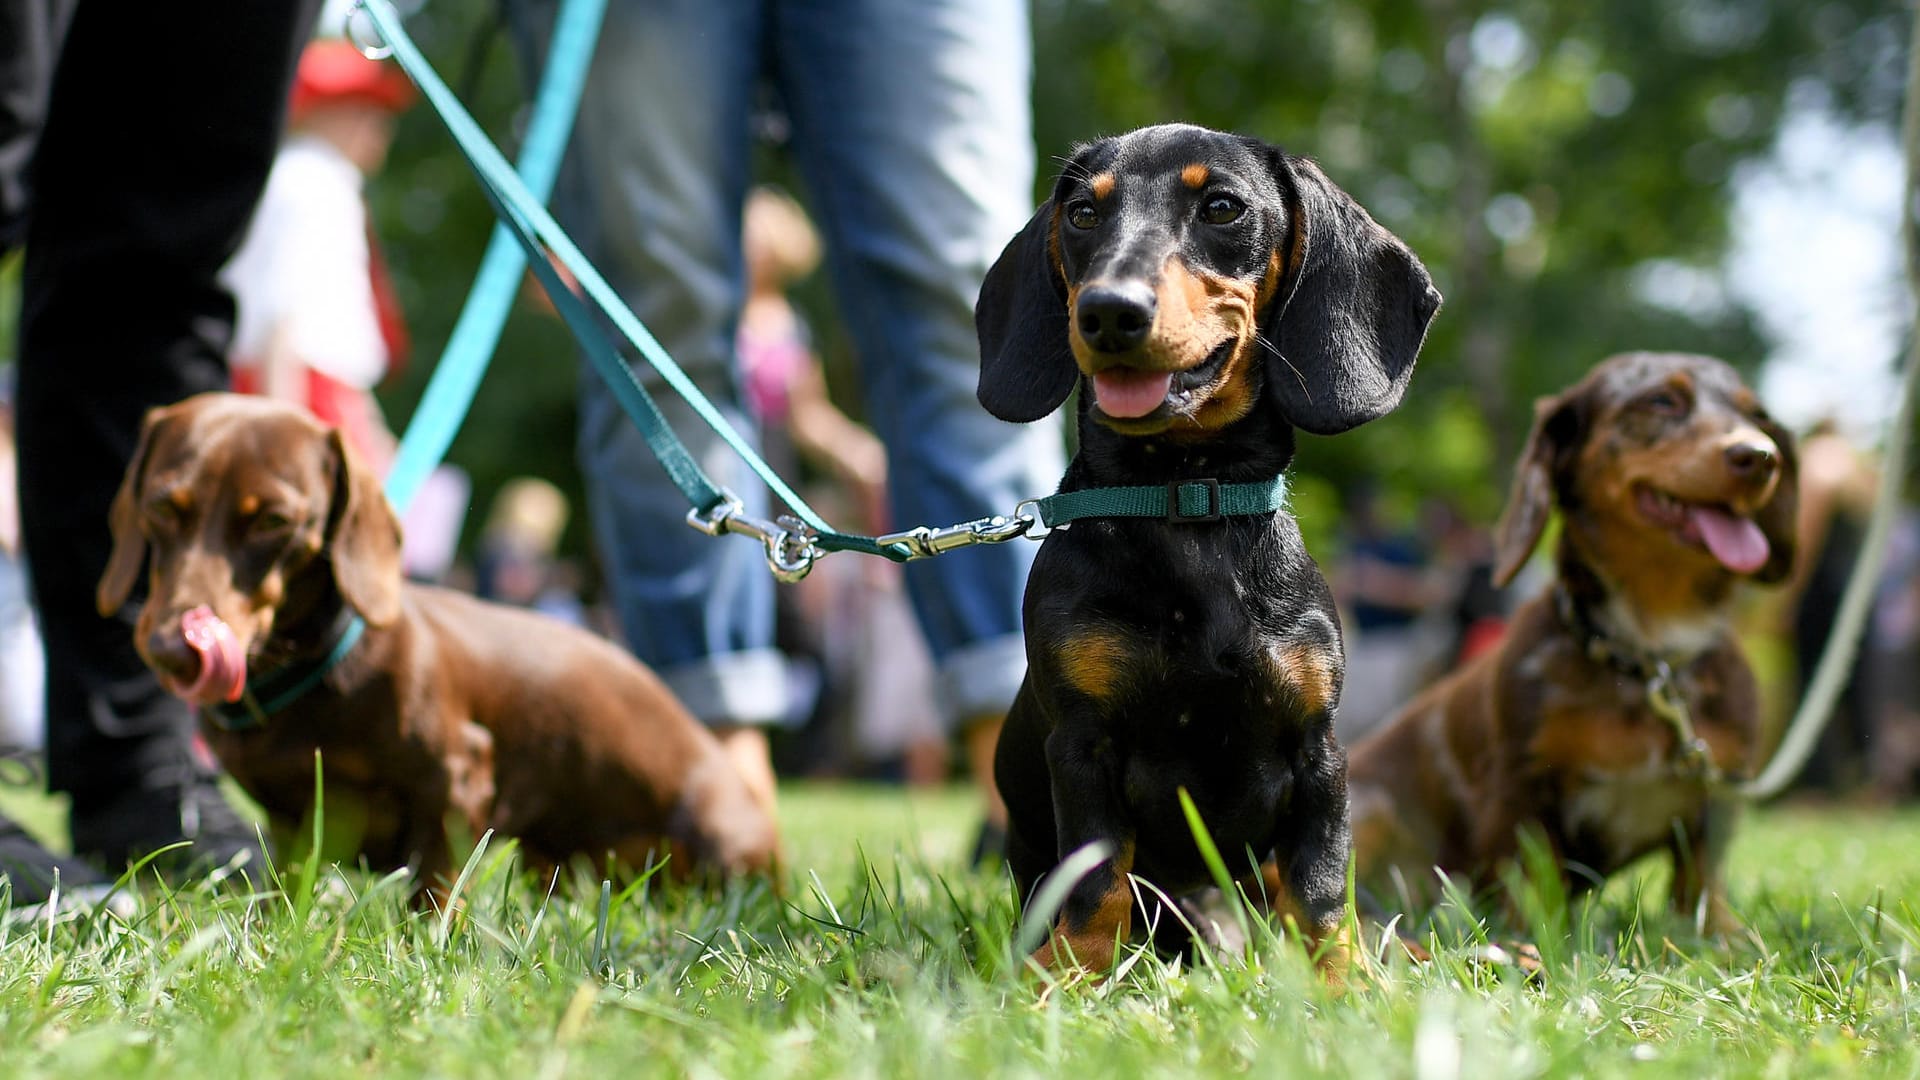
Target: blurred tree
<point>1563,166</point>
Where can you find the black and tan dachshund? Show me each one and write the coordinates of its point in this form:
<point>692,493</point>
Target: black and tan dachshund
<point>1214,293</point>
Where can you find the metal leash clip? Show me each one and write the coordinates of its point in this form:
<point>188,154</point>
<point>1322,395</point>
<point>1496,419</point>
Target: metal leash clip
<point>924,542</point>
<point>789,542</point>
<point>1690,752</point>
<point>357,28</point>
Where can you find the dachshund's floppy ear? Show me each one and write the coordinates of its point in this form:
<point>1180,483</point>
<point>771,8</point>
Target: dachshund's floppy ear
<point>363,538</point>
<point>1350,321</point>
<point>1559,427</point>
<point>1779,520</point>
<point>129,555</point>
<point>1026,364</point>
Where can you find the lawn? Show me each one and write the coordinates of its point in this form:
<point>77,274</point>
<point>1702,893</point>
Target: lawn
<point>887,958</point>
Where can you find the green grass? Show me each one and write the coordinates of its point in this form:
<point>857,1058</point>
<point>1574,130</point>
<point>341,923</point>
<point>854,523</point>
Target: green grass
<point>888,958</point>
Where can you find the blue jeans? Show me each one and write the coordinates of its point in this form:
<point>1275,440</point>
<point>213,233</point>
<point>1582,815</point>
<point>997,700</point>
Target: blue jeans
<point>911,128</point>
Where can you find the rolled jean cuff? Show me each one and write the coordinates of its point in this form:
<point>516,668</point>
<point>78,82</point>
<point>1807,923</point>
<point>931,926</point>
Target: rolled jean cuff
<point>742,688</point>
<point>981,679</point>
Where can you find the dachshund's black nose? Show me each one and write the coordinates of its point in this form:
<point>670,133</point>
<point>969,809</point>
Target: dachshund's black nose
<point>170,655</point>
<point>1115,316</point>
<point>1751,460</point>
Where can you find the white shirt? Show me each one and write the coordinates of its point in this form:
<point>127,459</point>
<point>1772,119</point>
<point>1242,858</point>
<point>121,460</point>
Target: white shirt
<point>304,263</point>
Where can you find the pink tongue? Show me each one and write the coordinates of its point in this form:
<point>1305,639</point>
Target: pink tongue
<point>1736,541</point>
<point>223,667</point>
<point>1124,394</point>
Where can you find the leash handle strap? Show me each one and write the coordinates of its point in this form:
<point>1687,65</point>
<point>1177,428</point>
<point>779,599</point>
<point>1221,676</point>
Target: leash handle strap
<point>1182,501</point>
<point>456,378</point>
<point>545,243</point>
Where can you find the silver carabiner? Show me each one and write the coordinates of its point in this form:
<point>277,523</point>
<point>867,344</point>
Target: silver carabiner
<point>924,542</point>
<point>789,545</point>
<point>355,15</point>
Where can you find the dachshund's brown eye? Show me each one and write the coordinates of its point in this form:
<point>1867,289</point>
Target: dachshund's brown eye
<point>1666,403</point>
<point>1082,215</point>
<point>268,522</point>
<point>1223,210</point>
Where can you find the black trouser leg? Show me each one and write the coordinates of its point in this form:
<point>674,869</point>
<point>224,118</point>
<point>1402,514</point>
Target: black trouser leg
<point>160,130</point>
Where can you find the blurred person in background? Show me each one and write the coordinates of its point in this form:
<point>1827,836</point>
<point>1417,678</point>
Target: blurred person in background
<point>319,324</point>
<point>1837,484</point>
<point>859,669</point>
<point>1471,609</point>
<point>912,129</point>
<point>1383,586</point>
<point>516,561</point>
<point>1893,664</point>
<point>134,142</point>
<point>23,661</point>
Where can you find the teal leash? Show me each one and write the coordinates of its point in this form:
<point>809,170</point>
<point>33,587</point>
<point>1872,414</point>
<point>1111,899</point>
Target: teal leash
<point>456,378</point>
<point>792,543</point>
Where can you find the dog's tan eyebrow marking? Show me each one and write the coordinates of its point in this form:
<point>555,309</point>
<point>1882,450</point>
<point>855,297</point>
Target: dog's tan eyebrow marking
<point>181,498</point>
<point>1101,185</point>
<point>248,505</point>
<point>1195,175</point>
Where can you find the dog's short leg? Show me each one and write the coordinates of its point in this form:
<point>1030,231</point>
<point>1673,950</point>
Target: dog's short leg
<point>1316,841</point>
<point>430,854</point>
<point>1099,910</point>
<point>1699,852</point>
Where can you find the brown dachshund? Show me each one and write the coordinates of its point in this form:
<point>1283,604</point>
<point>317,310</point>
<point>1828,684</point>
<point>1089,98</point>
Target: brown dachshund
<point>1619,699</point>
<point>277,604</point>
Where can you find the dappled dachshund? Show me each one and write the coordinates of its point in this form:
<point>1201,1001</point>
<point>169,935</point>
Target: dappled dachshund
<point>276,604</point>
<point>1618,698</point>
<point>1211,293</point>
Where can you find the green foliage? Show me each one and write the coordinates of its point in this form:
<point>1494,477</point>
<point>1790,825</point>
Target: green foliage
<point>886,957</point>
<point>1540,157</point>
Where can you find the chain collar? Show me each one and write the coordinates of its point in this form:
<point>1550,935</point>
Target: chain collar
<point>1692,758</point>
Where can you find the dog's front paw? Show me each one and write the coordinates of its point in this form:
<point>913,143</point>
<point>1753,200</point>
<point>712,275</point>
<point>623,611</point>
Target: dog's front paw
<point>1087,952</point>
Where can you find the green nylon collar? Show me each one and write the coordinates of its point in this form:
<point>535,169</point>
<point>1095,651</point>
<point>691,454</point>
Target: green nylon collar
<point>1181,502</point>
<point>276,690</point>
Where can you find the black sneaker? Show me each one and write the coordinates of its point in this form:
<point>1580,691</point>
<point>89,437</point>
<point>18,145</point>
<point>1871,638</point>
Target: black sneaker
<point>34,873</point>
<point>140,821</point>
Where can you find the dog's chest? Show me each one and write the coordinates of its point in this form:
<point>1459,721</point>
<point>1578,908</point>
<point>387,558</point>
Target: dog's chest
<point>1623,787</point>
<point>1614,818</point>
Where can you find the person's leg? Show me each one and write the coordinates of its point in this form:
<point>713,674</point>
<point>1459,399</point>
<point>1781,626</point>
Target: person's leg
<point>912,126</point>
<point>30,33</point>
<point>653,194</point>
<point>147,172</point>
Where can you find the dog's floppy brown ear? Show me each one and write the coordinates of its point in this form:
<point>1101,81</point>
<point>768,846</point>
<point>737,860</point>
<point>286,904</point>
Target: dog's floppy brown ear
<point>129,555</point>
<point>363,538</point>
<point>1026,363</point>
<point>1353,314</point>
<point>1558,428</point>
<point>1780,518</point>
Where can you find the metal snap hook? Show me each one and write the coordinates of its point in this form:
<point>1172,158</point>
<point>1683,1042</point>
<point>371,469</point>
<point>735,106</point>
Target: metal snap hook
<point>359,16</point>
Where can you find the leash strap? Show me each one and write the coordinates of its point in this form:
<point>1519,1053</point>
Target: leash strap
<point>456,378</point>
<point>1183,501</point>
<point>545,244</point>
